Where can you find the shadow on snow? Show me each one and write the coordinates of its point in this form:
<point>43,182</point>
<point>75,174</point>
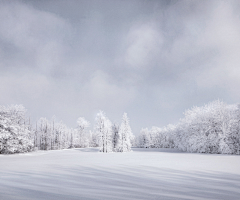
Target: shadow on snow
<point>123,183</point>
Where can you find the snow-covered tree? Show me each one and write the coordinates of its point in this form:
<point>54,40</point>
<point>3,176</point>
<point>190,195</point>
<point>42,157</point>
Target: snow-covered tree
<point>144,138</point>
<point>83,124</point>
<point>50,135</point>
<point>93,139</point>
<point>125,135</point>
<point>157,137</point>
<point>207,129</point>
<point>15,135</point>
<point>104,130</point>
<point>115,135</point>
<point>212,128</point>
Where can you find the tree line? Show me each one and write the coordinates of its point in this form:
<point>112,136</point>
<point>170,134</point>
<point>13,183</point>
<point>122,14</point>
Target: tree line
<point>18,135</point>
<point>212,128</point>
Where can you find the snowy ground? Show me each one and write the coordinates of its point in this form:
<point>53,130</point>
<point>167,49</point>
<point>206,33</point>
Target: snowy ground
<point>84,174</point>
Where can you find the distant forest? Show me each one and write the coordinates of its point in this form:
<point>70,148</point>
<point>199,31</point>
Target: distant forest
<point>213,128</point>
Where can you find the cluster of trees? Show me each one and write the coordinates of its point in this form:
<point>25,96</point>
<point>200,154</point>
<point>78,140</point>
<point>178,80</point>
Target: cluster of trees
<point>17,135</point>
<point>213,128</point>
<point>111,136</point>
<point>52,135</point>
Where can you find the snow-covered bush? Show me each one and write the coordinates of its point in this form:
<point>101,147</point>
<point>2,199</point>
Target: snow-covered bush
<point>15,134</point>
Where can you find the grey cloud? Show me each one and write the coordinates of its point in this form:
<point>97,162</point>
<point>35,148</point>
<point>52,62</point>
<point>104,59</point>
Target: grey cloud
<point>151,59</point>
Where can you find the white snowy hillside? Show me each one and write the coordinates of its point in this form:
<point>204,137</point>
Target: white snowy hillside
<point>143,174</point>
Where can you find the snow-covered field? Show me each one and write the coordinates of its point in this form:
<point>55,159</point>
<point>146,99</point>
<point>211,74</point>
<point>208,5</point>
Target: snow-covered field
<point>142,174</point>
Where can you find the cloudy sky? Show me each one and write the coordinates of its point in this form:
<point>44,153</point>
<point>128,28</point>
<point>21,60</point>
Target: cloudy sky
<point>151,59</point>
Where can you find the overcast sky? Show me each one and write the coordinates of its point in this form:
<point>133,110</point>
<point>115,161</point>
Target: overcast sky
<point>151,59</point>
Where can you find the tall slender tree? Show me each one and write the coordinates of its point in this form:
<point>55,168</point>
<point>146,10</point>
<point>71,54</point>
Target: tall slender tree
<point>83,124</point>
<point>115,135</point>
<point>125,135</point>
<point>104,131</point>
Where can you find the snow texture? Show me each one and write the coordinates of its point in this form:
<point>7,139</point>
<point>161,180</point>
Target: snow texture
<point>144,173</point>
